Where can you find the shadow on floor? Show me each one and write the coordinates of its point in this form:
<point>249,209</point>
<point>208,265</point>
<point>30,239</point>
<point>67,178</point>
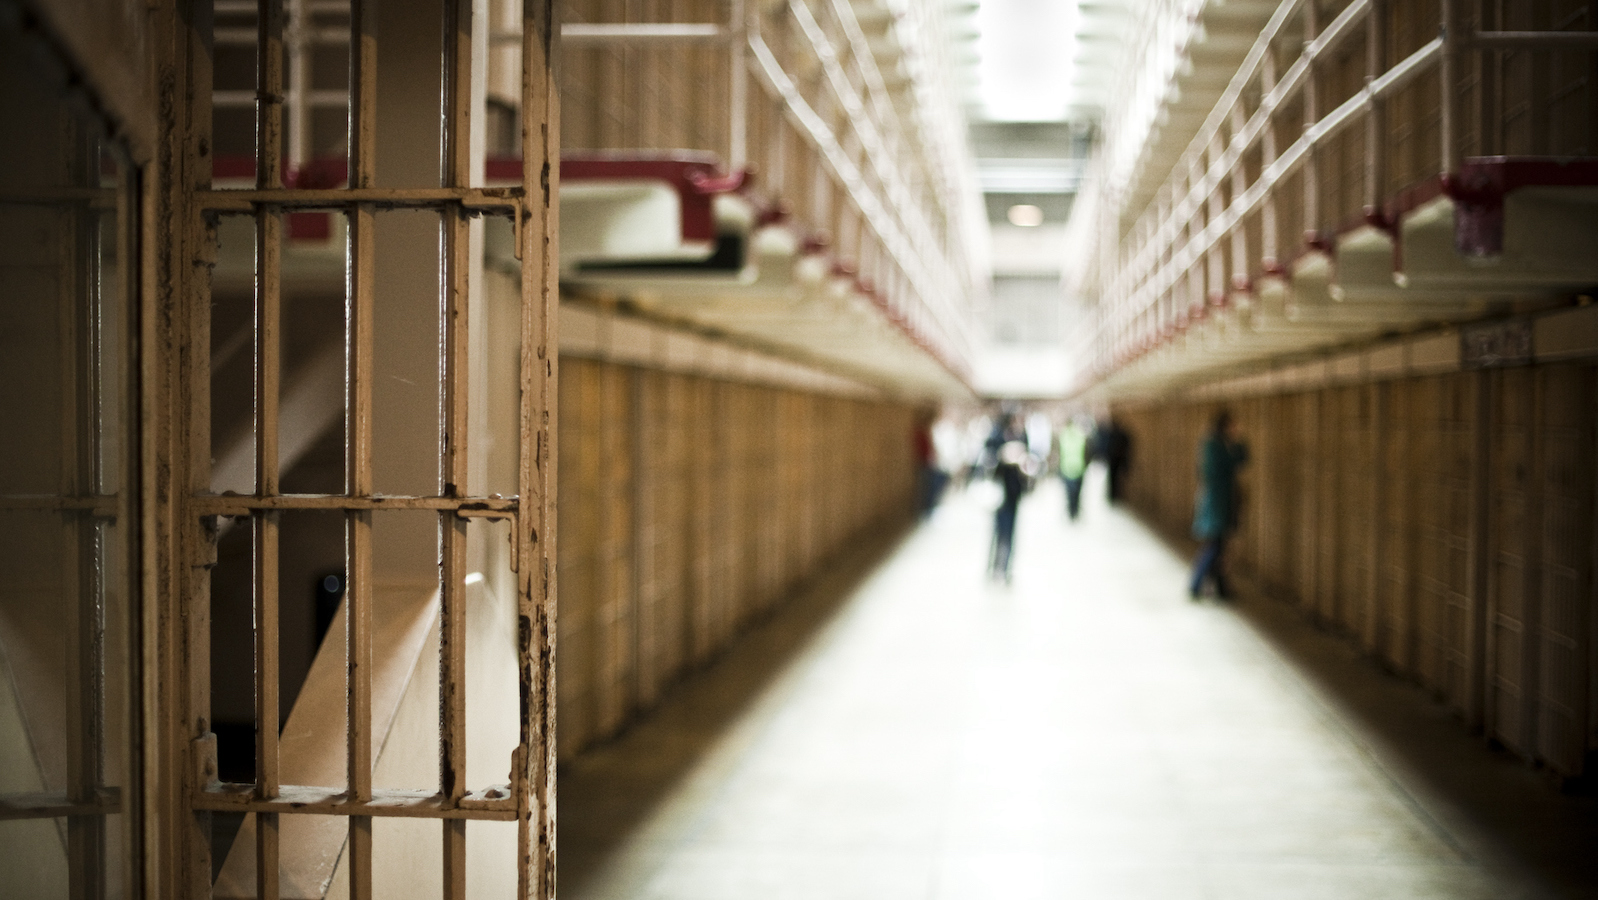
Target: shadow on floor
<point>605,795</point>
<point>1484,801</point>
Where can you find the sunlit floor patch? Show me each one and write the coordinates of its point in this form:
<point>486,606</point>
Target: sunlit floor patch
<point>1085,731</point>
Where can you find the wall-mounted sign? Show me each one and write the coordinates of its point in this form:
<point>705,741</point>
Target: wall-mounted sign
<point>1496,344</point>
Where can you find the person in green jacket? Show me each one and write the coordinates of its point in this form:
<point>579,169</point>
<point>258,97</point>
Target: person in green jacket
<point>1073,440</point>
<point>1215,508</point>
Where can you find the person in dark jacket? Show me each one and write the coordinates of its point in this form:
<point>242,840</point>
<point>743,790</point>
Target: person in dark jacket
<point>1215,507</point>
<point>1114,446</point>
<point>1011,473</point>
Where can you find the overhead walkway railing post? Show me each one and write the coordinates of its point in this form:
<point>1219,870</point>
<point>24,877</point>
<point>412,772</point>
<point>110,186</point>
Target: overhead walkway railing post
<point>1385,116</point>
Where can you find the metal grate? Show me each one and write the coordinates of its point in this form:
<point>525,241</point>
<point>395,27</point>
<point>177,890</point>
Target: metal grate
<point>70,807</point>
<point>284,40</point>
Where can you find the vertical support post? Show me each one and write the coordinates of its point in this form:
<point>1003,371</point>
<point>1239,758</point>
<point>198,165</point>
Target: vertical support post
<point>1269,258</point>
<point>1376,118</point>
<point>268,359</point>
<point>537,227</point>
<point>1489,106</point>
<point>177,458</point>
<point>1312,115</point>
<point>82,588</point>
<point>358,482</point>
<point>1216,206</point>
<point>1240,281</point>
<point>1452,36</point>
<point>456,338</point>
<point>738,87</point>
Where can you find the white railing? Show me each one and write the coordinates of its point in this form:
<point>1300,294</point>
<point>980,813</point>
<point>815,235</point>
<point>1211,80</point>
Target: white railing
<point>1223,217</point>
<point>904,178</point>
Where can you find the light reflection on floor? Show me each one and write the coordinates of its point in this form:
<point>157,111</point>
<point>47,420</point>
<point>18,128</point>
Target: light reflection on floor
<point>912,730</point>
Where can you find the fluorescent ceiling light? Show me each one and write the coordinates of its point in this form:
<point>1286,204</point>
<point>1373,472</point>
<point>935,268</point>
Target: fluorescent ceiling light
<point>1026,49</point>
<point>1025,215</point>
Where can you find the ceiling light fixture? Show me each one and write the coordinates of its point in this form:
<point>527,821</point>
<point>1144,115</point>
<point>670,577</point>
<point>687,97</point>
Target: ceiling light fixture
<point>1025,215</point>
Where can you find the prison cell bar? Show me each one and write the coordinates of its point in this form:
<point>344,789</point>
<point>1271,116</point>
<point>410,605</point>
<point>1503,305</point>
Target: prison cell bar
<point>359,360</point>
<point>84,676</point>
<point>268,359</point>
<point>455,335</point>
<point>187,378</point>
<point>457,201</point>
<point>537,233</point>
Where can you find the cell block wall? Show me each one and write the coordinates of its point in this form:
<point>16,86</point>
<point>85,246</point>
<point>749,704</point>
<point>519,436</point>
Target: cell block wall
<point>1444,523</point>
<point>690,506</point>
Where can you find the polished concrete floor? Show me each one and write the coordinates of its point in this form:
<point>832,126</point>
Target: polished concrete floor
<point>910,729</point>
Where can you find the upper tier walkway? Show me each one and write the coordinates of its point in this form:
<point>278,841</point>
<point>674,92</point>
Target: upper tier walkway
<point>911,730</point>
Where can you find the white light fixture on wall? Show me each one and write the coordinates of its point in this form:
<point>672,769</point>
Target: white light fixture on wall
<point>1025,215</point>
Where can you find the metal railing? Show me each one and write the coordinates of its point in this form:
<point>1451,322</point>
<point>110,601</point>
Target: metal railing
<point>819,125</point>
<point>1294,154</point>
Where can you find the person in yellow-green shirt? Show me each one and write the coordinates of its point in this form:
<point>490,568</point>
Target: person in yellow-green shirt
<point>1073,440</point>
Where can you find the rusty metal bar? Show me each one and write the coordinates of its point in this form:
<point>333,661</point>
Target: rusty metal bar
<point>360,344</point>
<point>178,369</point>
<point>106,801</point>
<point>494,201</point>
<point>242,505</point>
<point>533,768</point>
<point>268,361</point>
<point>102,506</point>
<point>308,35</point>
<point>310,98</point>
<point>455,335</point>
<point>490,804</point>
<point>244,7</point>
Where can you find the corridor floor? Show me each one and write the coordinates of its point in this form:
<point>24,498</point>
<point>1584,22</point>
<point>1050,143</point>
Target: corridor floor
<point>910,729</point>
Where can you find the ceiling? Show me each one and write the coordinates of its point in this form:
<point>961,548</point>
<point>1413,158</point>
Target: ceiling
<point>1033,75</point>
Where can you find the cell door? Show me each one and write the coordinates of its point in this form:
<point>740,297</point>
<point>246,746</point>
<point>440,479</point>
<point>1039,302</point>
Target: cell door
<point>368,363</point>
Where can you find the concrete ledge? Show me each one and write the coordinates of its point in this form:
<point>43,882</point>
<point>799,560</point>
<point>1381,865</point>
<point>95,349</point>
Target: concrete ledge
<point>590,333</point>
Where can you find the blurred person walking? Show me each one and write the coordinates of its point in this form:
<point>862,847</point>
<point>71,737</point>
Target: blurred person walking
<point>1215,508</point>
<point>1113,445</point>
<point>930,475</point>
<point>1013,471</point>
<point>1073,449</point>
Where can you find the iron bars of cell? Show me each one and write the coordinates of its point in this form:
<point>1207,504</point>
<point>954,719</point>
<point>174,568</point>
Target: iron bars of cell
<point>529,797</point>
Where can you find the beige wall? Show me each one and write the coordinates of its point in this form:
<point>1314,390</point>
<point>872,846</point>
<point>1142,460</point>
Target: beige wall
<point>1444,522</point>
<point>689,506</point>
